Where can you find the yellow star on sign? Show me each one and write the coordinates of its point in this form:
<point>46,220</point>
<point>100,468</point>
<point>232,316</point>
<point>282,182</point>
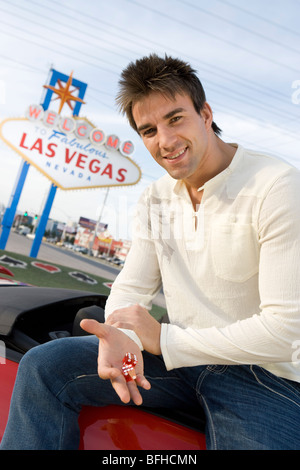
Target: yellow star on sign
<point>65,94</point>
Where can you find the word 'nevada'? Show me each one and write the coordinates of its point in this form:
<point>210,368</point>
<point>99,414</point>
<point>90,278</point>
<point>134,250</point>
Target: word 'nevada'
<point>81,128</point>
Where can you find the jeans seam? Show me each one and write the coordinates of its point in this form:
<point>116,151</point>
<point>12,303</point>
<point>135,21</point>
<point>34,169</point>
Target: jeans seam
<point>62,428</point>
<point>271,389</point>
<point>71,381</point>
<point>149,377</point>
<point>203,404</point>
<point>200,379</point>
<point>57,396</point>
<point>215,369</point>
<point>83,376</point>
<point>212,427</point>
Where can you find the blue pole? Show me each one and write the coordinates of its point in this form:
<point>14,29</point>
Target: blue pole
<point>10,212</point>
<point>42,223</point>
<point>44,218</point>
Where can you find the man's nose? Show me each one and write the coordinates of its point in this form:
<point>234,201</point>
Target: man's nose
<point>166,139</point>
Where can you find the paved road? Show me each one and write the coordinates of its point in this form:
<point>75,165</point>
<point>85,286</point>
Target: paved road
<point>53,254</point>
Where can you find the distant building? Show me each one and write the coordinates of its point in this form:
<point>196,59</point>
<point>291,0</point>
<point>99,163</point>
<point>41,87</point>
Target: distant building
<point>102,244</point>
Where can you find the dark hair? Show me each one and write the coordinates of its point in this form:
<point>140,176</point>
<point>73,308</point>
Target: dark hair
<point>167,75</point>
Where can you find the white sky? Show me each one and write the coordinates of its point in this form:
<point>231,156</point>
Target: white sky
<point>247,55</point>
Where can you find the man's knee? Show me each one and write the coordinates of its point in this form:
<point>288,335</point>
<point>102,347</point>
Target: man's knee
<point>35,362</point>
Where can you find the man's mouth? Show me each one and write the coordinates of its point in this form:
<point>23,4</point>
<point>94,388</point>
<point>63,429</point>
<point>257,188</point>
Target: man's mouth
<point>175,155</point>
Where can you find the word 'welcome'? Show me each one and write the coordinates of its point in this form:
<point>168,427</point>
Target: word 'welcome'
<point>81,128</point>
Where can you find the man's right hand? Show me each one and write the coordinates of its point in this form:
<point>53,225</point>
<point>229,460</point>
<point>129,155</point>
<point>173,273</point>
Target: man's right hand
<point>113,346</point>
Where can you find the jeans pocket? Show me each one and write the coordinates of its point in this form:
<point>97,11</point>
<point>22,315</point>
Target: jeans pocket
<point>285,388</point>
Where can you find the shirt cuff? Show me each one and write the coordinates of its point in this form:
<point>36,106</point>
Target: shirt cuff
<point>132,335</point>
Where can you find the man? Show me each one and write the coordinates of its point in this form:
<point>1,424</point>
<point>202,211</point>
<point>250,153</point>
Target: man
<point>220,231</point>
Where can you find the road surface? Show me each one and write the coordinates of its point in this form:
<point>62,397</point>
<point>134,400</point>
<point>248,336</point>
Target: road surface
<point>58,255</point>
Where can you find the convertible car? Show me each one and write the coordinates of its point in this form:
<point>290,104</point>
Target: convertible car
<point>30,316</point>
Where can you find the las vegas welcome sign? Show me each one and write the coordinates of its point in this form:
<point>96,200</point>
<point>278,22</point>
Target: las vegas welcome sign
<point>70,151</point>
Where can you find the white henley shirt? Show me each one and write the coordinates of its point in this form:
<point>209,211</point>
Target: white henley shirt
<point>230,270</point>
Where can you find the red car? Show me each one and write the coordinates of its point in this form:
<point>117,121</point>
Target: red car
<point>33,315</point>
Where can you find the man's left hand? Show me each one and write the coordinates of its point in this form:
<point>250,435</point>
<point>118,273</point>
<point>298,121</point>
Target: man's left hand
<point>139,320</point>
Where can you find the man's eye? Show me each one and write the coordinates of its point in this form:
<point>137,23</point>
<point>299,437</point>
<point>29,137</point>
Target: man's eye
<point>149,131</point>
<point>175,119</point>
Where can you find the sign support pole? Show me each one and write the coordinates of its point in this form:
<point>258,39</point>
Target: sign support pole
<point>10,212</point>
<point>43,222</point>
<point>55,76</point>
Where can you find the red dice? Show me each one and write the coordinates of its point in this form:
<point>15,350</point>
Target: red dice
<point>129,362</point>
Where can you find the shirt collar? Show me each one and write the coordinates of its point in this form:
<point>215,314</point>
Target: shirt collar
<point>179,186</point>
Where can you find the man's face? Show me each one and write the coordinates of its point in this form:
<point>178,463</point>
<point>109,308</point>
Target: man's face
<point>177,136</point>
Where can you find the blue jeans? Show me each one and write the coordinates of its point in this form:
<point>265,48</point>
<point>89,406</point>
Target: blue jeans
<point>246,407</point>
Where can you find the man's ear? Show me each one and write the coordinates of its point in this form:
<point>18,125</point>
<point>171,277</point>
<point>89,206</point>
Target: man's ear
<point>207,115</point>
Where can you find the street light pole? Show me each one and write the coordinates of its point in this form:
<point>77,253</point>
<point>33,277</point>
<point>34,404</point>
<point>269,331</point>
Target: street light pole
<point>99,221</point>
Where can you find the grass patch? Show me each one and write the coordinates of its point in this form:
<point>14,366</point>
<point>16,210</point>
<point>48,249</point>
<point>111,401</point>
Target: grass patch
<point>61,279</point>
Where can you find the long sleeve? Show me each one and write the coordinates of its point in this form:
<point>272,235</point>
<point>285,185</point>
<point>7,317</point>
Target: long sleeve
<point>140,279</point>
<point>268,336</point>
